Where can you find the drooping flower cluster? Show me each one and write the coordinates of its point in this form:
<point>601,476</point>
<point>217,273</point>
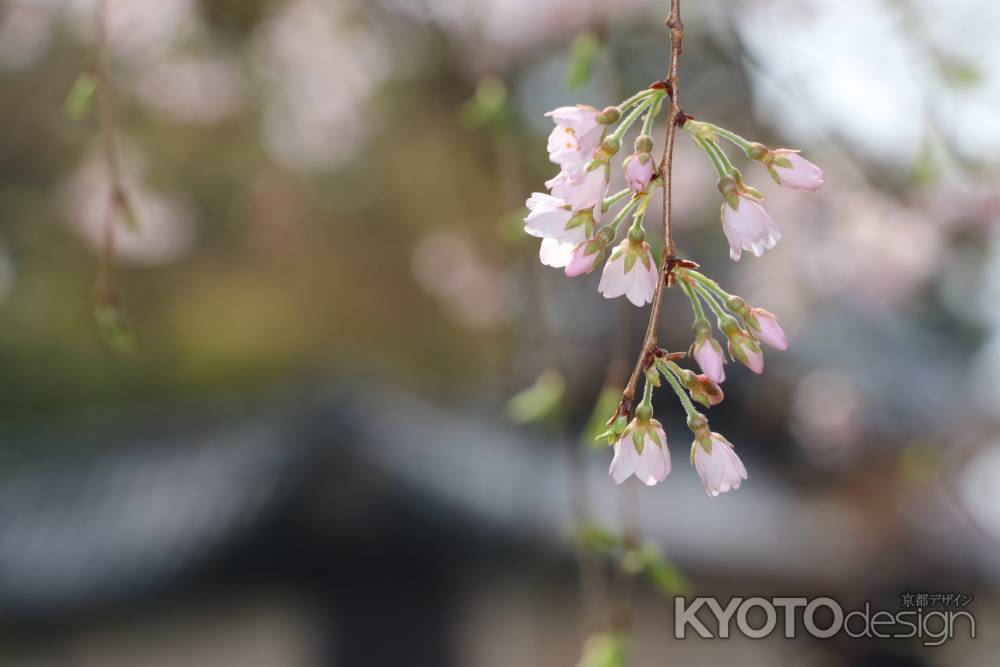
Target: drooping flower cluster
<point>573,223</point>
<point>569,219</point>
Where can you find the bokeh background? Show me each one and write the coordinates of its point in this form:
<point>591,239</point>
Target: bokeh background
<point>311,455</point>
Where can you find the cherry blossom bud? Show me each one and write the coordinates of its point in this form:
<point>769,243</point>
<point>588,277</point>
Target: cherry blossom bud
<point>791,170</point>
<point>609,115</point>
<point>746,351</point>
<point>611,145</point>
<point>700,130</point>
<point>703,389</point>
<point>719,467</point>
<point>643,144</point>
<point>766,328</point>
<point>631,271</point>
<point>585,257</point>
<point>758,151</point>
<point>730,189</point>
<point>639,171</point>
<point>748,227</point>
<point>642,451</point>
<point>576,136</point>
<point>708,354</point>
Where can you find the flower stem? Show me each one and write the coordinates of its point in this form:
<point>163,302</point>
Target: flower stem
<point>630,118</point>
<point>710,284</point>
<point>699,311</point>
<point>623,213</point>
<point>720,313</point>
<point>638,97</point>
<point>731,136</point>
<point>675,384</point>
<point>647,123</point>
<point>720,167</point>
<point>614,199</point>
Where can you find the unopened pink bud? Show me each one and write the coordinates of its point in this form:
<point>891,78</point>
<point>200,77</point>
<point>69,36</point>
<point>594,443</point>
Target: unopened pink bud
<point>769,331</point>
<point>708,354</point>
<point>639,171</point>
<point>797,173</point>
<point>584,258</point>
<point>745,350</point>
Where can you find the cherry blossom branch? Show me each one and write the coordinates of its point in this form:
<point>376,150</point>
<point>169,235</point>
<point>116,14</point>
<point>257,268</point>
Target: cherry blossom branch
<point>669,251</point>
<point>106,307</point>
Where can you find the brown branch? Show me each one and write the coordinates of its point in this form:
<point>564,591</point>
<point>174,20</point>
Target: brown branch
<point>674,116</point>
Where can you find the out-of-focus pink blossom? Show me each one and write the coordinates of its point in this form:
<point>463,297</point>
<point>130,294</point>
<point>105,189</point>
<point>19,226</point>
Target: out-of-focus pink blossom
<point>639,171</point>
<point>708,354</point>
<point>630,271</point>
<point>769,331</point>
<point>800,175</point>
<point>719,467</point>
<point>574,139</point>
<point>642,451</point>
<point>582,189</point>
<point>749,227</point>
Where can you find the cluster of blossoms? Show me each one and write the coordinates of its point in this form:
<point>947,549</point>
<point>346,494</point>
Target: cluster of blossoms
<point>576,234</point>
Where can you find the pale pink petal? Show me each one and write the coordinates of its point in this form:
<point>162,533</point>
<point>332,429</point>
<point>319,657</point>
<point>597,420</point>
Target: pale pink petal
<point>583,192</point>
<point>555,253</point>
<point>612,283</point>
<point>623,465</point>
<point>657,459</point>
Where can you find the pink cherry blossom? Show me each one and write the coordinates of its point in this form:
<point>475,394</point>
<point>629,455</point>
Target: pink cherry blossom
<point>576,136</point>
<point>770,331</point>
<point>562,230</point>
<point>584,258</point>
<point>583,190</point>
<point>652,464</point>
<point>802,175</point>
<point>720,468</point>
<point>749,227</point>
<point>630,271</point>
<point>639,171</point>
<point>708,354</point>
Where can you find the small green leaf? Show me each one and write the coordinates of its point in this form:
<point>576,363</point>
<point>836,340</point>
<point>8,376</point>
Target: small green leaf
<point>540,402</point>
<point>649,561</point>
<point>605,405</point>
<point>596,539</point>
<point>80,96</point>
<point>583,53</point>
<point>488,106</point>
<point>604,649</point>
<point>114,328</point>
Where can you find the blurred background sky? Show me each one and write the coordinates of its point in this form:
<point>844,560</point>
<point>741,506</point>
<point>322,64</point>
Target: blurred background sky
<point>309,457</point>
